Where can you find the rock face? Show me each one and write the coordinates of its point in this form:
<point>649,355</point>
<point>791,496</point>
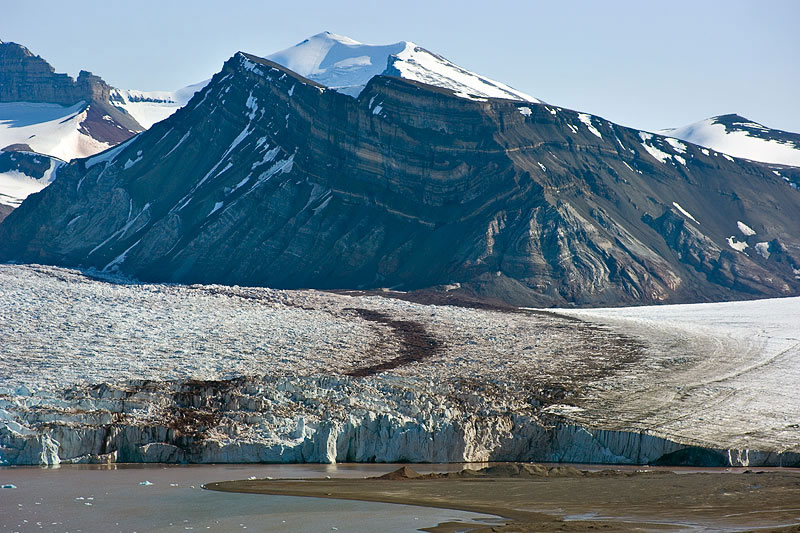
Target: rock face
<point>25,77</point>
<point>267,178</point>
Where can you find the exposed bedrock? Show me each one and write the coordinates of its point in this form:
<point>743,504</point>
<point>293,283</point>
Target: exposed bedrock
<point>322,420</point>
<point>267,179</point>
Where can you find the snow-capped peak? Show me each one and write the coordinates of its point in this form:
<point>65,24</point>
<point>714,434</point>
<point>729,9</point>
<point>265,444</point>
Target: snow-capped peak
<point>336,61</point>
<point>346,65</point>
<point>741,137</point>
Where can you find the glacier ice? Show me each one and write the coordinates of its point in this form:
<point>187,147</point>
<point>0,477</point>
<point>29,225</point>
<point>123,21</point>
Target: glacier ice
<point>99,372</point>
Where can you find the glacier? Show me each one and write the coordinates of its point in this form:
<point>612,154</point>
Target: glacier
<point>99,369</point>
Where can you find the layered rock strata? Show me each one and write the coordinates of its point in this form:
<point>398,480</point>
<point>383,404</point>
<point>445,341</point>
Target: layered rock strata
<point>266,178</point>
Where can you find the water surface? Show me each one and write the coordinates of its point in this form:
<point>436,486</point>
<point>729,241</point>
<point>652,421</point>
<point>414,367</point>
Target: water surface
<point>75,498</point>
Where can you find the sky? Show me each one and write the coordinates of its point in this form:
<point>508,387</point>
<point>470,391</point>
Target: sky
<point>644,64</point>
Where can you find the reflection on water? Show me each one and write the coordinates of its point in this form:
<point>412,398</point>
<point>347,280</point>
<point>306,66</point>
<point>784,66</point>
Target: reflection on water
<point>110,498</point>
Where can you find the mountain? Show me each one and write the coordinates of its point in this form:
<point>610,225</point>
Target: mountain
<point>53,114</point>
<point>269,178</point>
<point>740,137</point>
<point>346,65</point>
<point>49,113</point>
<point>53,118</point>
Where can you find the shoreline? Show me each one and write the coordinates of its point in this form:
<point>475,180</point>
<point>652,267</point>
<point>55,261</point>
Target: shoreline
<point>564,498</point>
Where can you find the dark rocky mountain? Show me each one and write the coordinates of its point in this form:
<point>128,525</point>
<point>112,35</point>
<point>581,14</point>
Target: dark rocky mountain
<point>25,77</point>
<point>267,178</point>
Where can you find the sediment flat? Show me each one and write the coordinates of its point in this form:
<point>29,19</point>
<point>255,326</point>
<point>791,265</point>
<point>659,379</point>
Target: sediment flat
<point>566,499</point>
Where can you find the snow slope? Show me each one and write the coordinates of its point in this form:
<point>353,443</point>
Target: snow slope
<point>149,107</point>
<point>16,185</point>
<point>346,65</point>
<point>59,131</point>
<point>740,137</point>
<point>50,129</point>
<point>55,130</point>
<point>23,173</point>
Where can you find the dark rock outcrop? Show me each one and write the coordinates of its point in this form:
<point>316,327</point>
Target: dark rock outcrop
<point>266,178</point>
<point>31,164</point>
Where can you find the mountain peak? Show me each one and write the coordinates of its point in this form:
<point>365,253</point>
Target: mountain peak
<point>16,49</point>
<point>328,35</point>
<point>336,61</point>
<point>346,65</point>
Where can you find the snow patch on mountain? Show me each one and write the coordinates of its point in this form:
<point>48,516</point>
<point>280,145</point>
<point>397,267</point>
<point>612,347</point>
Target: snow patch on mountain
<point>149,107</point>
<point>23,173</point>
<point>741,137</point>
<point>50,129</point>
<point>587,121</point>
<point>739,246</point>
<point>346,65</point>
<point>15,186</point>
<point>647,143</point>
<point>746,230</point>
<point>684,212</point>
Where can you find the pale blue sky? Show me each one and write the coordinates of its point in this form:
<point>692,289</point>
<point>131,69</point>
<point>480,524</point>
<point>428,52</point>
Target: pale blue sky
<point>640,63</point>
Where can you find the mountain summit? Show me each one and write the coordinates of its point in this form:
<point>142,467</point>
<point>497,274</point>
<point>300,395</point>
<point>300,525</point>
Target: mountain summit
<point>346,65</point>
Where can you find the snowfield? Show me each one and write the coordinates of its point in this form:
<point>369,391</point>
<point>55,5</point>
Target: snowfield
<point>149,107</point>
<point>55,130</point>
<point>49,129</point>
<point>15,186</point>
<point>741,140</point>
<point>93,371</point>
